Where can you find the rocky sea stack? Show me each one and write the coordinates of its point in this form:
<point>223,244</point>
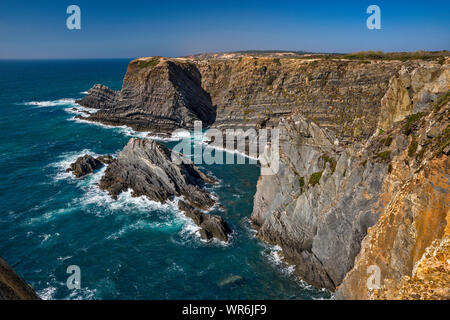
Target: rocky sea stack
<point>158,95</point>
<point>150,169</point>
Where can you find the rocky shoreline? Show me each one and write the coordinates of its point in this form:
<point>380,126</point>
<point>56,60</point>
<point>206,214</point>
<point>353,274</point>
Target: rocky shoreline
<point>150,169</point>
<point>341,143</point>
<point>364,146</point>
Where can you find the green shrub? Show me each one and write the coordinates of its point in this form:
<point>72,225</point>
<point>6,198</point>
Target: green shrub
<point>315,178</point>
<point>412,148</point>
<point>330,160</point>
<point>384,155</point>
<point>443,100</point>
<point>410,121</point>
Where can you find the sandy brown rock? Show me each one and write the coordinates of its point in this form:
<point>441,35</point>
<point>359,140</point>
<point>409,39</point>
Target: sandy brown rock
<point>409,243</point>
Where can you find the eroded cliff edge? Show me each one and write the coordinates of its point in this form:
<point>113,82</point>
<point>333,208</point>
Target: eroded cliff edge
<point>341,142</point>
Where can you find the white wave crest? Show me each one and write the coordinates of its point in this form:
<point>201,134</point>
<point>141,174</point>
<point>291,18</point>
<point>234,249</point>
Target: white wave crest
<point>80,110</point>
<point>126,131</point>
<point>53,103</point>
<point>65,160</point>
<point>275,257</point>
<point>47,293</point>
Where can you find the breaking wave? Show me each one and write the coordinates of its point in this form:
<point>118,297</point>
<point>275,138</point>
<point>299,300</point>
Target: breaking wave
<point>53,103</point>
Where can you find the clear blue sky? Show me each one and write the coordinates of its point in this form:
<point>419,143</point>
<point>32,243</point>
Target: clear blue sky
<point>115,29</point>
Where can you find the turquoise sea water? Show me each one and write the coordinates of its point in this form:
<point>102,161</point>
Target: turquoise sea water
<point>131,248</point>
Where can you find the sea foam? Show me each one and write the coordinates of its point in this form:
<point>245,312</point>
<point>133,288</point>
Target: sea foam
<point>52,103</point>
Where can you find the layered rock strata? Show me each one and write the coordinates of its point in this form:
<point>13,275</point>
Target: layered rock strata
<point>347,130</point>
<point>150,169</point>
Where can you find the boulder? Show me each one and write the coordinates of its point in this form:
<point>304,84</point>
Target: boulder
<point>212,226</point>
<point>84,165</point>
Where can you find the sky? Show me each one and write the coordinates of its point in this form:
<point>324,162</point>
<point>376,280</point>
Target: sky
<point>131,28</point>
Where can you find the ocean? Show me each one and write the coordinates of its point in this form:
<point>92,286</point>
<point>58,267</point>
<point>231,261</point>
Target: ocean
<point>130,248</point>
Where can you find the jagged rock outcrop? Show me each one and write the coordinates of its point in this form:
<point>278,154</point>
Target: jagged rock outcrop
<point>87,164</point>
<point>158,95</point>
<point>13,287</point>
<point>84,165</point>
<point>150,169</point>
<point>211,226</point>
<point>100,97</point>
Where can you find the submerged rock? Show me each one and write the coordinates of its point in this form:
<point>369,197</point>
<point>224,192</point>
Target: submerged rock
<point>233,279</point>
<point>84,165</point>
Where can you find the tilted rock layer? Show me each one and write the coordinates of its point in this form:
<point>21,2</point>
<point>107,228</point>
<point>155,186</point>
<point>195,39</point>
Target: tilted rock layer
<point>150,169</point>
<point>325,196</point>
<point>363,174</point>
<point>410,242</point>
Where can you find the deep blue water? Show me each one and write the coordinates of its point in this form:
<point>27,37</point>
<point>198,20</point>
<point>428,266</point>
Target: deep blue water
<point>131,248</point>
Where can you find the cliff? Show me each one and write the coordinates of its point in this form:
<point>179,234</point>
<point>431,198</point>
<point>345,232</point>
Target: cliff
<point>363,176</point>
<point>161,94</point>
<point>410,242</point>
<point>325,197</point>
<point>158,95</point>
<point>12,287</point>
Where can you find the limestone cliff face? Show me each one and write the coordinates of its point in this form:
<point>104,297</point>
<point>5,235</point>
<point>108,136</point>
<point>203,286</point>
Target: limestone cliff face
<point>412,90</point>
<point>161,94</point>
<point>342,96</point>
<point>12,287</point>
<point>410,242</point>
<point>158,95</point>
<point>320,203</point>
<point>325,197</point>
